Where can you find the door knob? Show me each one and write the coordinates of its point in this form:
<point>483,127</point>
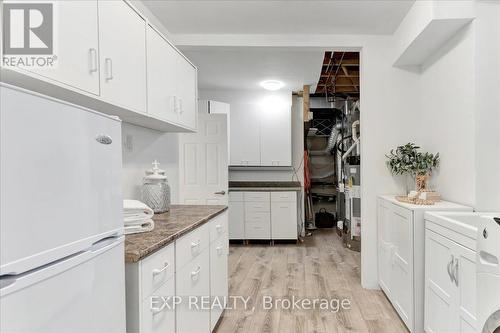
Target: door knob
<point>220,192</point>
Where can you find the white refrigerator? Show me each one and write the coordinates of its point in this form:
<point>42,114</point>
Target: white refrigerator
<point>61,229</point>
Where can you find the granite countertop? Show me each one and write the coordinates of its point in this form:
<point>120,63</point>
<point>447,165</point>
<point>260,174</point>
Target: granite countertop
<point>264,186</point>
<point>169,226</point>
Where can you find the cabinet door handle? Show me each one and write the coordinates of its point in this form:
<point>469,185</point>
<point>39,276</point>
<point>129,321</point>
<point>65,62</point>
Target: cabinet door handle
<point>450,269</point>
<point>92,60</point>
<point>181,110</point>
<point>455,272</point>
<point>109,69</point>
<point>218,227</point>
<point>157,271</point>
<point>219,250</point>
<point>196,272</point>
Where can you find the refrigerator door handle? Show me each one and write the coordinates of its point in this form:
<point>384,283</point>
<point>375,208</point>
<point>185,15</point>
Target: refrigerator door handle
<point>12,283</point>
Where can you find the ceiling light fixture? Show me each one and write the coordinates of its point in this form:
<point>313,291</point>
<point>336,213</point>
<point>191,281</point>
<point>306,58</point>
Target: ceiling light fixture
<point>272,85</point>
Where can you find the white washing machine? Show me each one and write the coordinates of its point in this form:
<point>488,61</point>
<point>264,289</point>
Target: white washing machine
<point>488,274</point>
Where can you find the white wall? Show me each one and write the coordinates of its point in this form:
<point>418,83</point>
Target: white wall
<point>487,108</point>
<point>446,116</point>
<point>148,145</point>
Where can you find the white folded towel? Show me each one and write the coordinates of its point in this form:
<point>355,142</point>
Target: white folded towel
<point>146,226</point>
<point>136,212</point>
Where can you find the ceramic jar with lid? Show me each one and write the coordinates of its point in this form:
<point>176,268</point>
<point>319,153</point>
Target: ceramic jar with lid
<point>155,189</point>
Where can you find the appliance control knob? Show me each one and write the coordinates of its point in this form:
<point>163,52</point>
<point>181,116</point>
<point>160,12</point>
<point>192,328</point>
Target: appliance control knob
<point>485,233</point>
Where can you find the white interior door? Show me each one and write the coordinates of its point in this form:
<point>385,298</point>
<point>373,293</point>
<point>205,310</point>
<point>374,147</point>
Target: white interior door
<point>203,162</point>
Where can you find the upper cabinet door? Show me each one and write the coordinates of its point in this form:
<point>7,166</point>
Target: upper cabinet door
<point>162,83</point>
<point>77,46</point>
<point>245,136</point>
<point>276,136</point>
<point>122,34</point>
<point>187,92</point>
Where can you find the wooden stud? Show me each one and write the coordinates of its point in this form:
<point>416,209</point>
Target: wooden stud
<point>306,102</point>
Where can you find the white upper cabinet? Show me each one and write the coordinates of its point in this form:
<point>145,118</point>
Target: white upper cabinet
<point>260,135</point>
<point>122,36</point>
<point>77,63</point>
<point>161,77</point>
<point>245,136</point>
<point>172,82</point>
<point>276,137</point>
<point>187,92</point>
<point>110,59</point>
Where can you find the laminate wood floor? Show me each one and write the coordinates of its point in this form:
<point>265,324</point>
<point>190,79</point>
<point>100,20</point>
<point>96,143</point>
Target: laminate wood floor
<point>318,268</point>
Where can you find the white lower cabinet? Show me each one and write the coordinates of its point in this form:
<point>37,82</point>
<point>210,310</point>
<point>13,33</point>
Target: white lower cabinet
<point>158,320</point>
<point>193,282</point>
<point>219,284</point>
<point>194,269</point>
<point>263,215</point>
<point>236,216</point>
<point>450,282</point>
<point>401,248</point>
<point>284,215</point>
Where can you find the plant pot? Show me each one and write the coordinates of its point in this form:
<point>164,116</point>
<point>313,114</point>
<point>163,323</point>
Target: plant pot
<point>421,182</point>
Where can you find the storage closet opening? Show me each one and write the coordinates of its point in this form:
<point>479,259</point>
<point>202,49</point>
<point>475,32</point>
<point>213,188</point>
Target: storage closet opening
<point>332,151</point>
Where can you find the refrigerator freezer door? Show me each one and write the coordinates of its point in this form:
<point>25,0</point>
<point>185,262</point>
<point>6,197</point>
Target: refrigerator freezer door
<point>82,293</point>
<point>60,179</point>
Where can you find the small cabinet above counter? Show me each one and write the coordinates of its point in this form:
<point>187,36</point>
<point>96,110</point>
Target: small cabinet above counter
<point>120,65</point>
<point>186,255</point>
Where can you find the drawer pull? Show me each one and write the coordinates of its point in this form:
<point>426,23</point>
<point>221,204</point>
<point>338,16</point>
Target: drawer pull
<point>219,228</point>
<point>195,244</point>
<point>219,250</point>
<point>157,271</point>
<point>156,311</point>
<point>196,272</point>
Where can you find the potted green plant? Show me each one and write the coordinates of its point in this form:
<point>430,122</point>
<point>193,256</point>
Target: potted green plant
<point>409,160</point>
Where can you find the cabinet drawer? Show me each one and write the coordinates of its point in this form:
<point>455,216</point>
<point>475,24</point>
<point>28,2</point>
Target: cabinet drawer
<point>255,207</point>
<point>257,196</point>
<point>256,230</point>
<point>283,196</point>
<point>191,246</point>
<point>235,196</point>
<point>193,280</point>
<point>257,217</point>
<point>156,269</point>
<point>218,226</point>
<point>153,318</point>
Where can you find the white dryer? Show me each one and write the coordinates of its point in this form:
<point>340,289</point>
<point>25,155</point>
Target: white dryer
<point>488,274</point>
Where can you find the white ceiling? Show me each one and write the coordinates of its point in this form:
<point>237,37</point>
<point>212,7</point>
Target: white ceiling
<point>280,17</point>
<point>243,68</point>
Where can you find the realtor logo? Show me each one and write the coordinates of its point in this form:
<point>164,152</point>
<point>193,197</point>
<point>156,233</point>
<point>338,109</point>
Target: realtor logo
<point>28,28</point>
<point>28,35</point>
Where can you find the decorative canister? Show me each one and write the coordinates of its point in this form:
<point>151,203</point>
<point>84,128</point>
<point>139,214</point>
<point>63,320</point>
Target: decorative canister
<point>155,189</point>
